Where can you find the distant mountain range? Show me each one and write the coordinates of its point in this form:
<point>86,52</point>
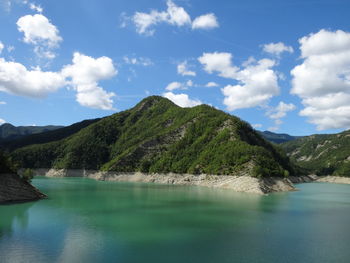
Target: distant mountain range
<point>10,132</point>
<point>156,136</point>
<point>278,137</point>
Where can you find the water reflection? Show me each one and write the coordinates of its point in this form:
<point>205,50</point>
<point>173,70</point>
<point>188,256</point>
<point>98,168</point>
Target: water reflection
<point>13,216</point>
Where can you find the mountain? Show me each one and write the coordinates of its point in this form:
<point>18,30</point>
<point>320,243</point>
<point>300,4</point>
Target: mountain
<point>323,154</point>
<point>156,136</point>
<point>277,137</point>
<point>44,137</point>
<point>10,132</point>
<point>12,187</point>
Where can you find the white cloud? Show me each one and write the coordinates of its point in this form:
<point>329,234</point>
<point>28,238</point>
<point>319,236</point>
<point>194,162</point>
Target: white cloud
<point>277,48</point>
<point>281,110</point>
<point>36,8</point>
<point>174,15</point>
<point>16,79</point>
<point>183,70</point>
<point>278,113</point>
<point>181,99</point>
<point>257,82</point>
<point>140,61</point>
<point>178,85</point>
<point>2,121</point>
<point>174,85</point>
<point>3,103</point>
<point>1,47</point>
<point>41,33</point>
<point>220,63</point>
<point>257,126</point>
<point>322,81</point>
<point>212,84</point>
<point>208,21</point>
<point>85,73</point>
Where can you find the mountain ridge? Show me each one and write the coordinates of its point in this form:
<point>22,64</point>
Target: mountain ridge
<point>158,136</point>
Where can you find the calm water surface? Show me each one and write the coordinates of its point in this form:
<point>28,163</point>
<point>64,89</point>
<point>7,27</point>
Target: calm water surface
<point>89,221</point>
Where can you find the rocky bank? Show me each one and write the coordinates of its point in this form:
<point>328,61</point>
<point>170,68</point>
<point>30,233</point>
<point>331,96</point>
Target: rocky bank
<point>14,189</point>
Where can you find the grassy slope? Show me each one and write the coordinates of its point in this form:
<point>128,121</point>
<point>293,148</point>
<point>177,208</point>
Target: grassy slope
<point>158,136</point>
<point>322,154</point>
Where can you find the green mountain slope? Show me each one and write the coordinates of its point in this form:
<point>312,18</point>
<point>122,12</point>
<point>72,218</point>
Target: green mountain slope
<point>326,154</point>
<point>158,136</point>
<point>8,131</point>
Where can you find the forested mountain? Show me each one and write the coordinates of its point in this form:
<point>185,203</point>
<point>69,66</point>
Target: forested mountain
<point>158,136</point>
<point>8,131</point>
<point>324,154</point>
<point>44,137</point>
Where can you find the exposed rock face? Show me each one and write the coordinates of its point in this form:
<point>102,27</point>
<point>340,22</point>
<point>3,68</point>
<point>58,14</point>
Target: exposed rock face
<point>334,179</point>
<point>14,189</point>
<point>246,184</point>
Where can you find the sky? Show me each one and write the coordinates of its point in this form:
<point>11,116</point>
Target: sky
<point>282,66</point>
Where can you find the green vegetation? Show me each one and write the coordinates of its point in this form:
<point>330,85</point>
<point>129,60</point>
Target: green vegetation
<point>156,136</point>
<point>322,154</point>
<point>28,175</point>
<point>6,165</point>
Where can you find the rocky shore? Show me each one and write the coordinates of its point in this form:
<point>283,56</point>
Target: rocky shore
<point>236,183</point>
<point>14,189</point>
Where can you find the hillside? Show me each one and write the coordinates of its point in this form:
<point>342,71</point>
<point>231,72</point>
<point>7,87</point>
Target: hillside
<point>8,131</point>
<point>324,154</point>
<point>277,137</point>
<point>44,137</point>
<point>156,136</point>
<point>12,187</point>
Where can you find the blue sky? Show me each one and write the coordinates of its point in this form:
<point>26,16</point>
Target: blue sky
<point>282,66</point>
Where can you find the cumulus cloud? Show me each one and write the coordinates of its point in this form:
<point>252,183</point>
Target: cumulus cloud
<point>212,84</point>
<point>16,79</point>
<point>257,82</point>
<point>279,112</point>
<point>2,121</point>
<point>208,21</point>
<point>219,62</point>
<point>277,48</point>
<point>3,103</point>
<point>179,85</point>
<point>322,81</point>
<point>257,126</point>
<point>1,47</point>
<point>84,75</point>
<point>183,70</point>
<point>41,33</point>
<point>182,100</point>
<point>173,15</point>
<point>140,61</point>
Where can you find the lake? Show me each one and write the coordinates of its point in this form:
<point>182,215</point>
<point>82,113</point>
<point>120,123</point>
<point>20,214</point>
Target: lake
<point>90,221</point>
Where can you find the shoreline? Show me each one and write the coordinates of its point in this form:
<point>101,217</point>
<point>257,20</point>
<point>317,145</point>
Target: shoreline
<point>245,184</point>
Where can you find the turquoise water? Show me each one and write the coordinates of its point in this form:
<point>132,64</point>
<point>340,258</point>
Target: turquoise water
<point>90,221</point>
